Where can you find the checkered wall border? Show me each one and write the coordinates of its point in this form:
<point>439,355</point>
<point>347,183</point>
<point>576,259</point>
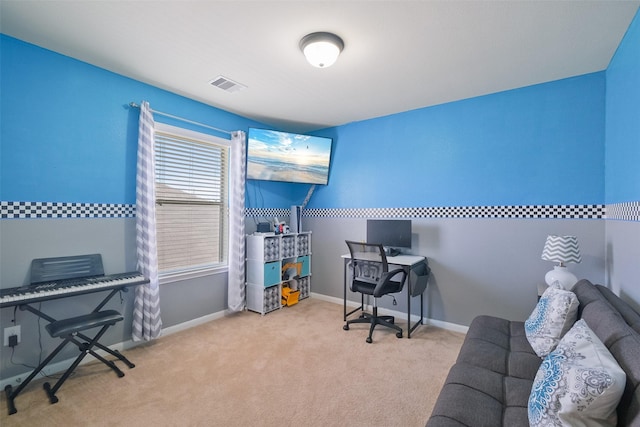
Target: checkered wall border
<point>622,211</point>
<point>19,210</point>
<point>268,212</point>
<point>532,211</point>
<point>629,211</point>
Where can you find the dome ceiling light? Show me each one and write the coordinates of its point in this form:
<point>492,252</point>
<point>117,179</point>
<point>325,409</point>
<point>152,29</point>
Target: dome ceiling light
<point>321,49</point>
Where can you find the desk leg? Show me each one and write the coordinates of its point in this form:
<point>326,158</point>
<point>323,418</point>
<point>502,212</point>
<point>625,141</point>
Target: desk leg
<point>420,322</point>
<point>344,286</point>
<point>408,279</point>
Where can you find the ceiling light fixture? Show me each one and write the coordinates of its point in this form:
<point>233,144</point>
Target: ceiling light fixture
<point>321,49</point>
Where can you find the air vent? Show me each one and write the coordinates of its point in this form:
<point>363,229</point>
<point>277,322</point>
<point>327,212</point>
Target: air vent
<point>226,84</point>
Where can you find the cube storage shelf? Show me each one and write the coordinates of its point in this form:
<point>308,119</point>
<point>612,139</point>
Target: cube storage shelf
<point>267,256</point>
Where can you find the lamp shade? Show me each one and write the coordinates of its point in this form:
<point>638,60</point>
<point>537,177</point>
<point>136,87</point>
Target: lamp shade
<point>562,249</point>
<point>321,49</point>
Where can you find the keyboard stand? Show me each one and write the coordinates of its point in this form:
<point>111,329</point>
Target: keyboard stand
<point>70,330</point>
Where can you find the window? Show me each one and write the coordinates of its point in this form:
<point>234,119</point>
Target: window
<point>191,201</point>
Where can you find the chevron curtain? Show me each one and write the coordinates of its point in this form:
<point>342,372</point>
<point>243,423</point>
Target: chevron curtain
<point>147,324</point>
<point>236,290</point>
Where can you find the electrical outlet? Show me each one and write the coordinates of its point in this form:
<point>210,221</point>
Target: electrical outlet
<point>13,330</point>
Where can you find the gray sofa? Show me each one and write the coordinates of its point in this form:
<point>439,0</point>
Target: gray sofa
<point>491,381</point>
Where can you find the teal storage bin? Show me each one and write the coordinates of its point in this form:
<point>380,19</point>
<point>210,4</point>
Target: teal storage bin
<point>271,273</point>
<point>306,268</point>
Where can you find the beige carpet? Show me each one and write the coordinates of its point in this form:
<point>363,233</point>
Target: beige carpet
<point>292,367</point>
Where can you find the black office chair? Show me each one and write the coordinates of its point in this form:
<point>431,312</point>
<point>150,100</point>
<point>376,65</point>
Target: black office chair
<point>370,275</point>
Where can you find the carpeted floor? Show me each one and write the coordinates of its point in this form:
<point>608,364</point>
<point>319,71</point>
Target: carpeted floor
<point>292,367</point>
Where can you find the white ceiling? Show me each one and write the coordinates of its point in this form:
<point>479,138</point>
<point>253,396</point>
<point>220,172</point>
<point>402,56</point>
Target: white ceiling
<point>398,56</point>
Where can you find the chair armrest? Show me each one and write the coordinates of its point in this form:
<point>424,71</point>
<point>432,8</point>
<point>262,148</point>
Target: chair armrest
<point>388,277</point>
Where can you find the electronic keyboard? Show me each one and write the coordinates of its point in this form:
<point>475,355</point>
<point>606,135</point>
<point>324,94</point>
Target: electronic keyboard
<point>63,288</point>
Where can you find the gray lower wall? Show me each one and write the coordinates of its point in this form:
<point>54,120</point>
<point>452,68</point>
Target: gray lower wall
<point>623,260</point>
<point>26,239</point>
<point>22,240</point>
<point>479,266</point>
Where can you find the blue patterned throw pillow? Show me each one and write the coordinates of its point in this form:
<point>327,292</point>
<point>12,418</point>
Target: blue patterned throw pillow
<point>553,316</point>
<point>578,384</point>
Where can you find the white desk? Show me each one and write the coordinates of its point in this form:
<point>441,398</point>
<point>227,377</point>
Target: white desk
<point>403,261</point>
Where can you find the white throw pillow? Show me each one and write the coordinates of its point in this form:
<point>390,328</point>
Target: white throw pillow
<point>553,316</point>
<point>578,384</point>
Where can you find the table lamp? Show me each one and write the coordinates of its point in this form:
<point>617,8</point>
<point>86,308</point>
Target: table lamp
<point>561,249</point>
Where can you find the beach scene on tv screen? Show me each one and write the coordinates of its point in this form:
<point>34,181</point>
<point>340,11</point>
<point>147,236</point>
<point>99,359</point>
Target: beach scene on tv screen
<point>282,156</point>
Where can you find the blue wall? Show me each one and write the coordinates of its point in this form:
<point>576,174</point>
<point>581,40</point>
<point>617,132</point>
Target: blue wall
<point>542,144</point>
<point>622,158</point>
<point>267,194</point>
<point>68,134</point>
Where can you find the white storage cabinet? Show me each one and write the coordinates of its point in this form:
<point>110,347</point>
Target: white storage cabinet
<point>266,255</point>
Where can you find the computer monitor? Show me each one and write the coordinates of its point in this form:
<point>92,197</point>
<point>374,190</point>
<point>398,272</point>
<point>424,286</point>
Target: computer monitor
<point>393,234</point>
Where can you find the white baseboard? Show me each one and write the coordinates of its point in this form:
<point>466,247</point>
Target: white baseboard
<point>448,326</point>
<point>58,367</point>
<point>195,322</point>
<point>401,315</point>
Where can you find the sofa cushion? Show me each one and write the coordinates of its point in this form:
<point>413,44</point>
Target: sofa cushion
<point>579,383</point>
<point>552,317</point>
<point>501,346</point>
<point>490,399</point>
<point>628,314</point>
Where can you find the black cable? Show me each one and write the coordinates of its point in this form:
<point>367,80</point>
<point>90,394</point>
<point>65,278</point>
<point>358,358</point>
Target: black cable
<point>257,190</point>
<point>259,204</point>
<point>13,349</point>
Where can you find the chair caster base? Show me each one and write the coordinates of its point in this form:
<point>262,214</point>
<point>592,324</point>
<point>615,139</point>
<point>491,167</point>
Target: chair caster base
<point>369,340</point>
<point>399,334</point>
<point>345,327</point>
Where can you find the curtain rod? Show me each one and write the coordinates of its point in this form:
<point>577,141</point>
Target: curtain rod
<point>134,105</point>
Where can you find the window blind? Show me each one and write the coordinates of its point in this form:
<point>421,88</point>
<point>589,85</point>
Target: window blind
<point>191,198</point>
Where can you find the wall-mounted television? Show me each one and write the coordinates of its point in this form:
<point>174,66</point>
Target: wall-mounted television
<point>289,157</point>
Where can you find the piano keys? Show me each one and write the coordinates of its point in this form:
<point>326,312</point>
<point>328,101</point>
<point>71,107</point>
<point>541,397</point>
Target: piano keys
<point>63,288</point>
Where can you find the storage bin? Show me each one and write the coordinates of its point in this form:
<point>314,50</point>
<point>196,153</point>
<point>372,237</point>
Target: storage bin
<point>419,278</point>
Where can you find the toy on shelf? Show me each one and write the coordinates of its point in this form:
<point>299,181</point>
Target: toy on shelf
<point>290,291</point>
